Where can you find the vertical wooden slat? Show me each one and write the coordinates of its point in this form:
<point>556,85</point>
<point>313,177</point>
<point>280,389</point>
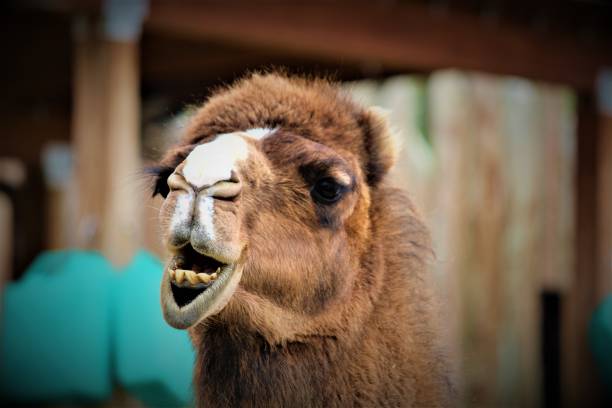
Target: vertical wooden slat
<point>106,129</point>
<point>519,371</point>
<point>581,387</point>
<point>558,133</point>
<point>557,248</point>
<point>487,219</point>
<point>450,136</point>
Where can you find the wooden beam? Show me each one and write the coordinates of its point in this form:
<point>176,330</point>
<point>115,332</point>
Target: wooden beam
<point>397,36</point>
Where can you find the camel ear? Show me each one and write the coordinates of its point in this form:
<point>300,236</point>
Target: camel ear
<point>379,144</point>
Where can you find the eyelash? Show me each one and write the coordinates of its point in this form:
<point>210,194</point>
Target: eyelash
<point>160,174</point>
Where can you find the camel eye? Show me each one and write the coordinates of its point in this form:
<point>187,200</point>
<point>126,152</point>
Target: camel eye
<point>327,191</point>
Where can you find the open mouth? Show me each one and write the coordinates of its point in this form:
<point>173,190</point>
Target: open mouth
<point>191,274</point>
<point>196,286</point>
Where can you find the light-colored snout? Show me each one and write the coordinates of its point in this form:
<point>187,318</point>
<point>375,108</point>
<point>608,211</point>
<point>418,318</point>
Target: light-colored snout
<point>194,208</point>
<point>203,213</point>
<point>198,220</point>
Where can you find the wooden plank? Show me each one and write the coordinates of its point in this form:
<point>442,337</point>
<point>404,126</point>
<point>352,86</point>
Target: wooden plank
<point>558,133</point>
<point>398,36</point>
<point>581,386</point>
<point>451,232</point>
<point>519,371</point>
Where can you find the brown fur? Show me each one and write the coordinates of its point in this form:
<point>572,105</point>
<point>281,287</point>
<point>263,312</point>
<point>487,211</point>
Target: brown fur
<point>333,308</point>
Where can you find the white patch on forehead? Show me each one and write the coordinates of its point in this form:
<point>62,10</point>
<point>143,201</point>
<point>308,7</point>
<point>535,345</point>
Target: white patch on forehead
<point>259,133</point>
<point>214,161</point>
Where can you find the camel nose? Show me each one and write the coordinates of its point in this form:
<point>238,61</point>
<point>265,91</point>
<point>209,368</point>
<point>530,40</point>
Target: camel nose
<point>223,189</point>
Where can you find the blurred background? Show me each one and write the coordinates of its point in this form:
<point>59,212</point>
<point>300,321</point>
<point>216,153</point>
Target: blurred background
<point>503,110</point>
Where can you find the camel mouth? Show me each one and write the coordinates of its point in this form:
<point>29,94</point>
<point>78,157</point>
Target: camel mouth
<point>196,286</point>
<point>191,274</point>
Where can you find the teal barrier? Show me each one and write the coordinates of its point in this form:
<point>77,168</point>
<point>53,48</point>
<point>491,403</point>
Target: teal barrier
<point>72,327</point>
<point>600,336</point>
<point>154,361</point>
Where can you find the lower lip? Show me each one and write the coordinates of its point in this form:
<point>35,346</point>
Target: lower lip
<point>207,303</point>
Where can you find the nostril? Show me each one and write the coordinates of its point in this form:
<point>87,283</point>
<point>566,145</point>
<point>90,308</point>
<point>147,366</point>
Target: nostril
<point>177,182</point>
<point>225,190</point>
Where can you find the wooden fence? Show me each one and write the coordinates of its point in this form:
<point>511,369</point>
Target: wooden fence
<point>490,161</point>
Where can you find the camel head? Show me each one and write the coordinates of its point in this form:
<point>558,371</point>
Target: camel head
<point>266,210</point>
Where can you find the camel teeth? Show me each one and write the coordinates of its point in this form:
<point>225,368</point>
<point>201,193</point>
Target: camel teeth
<point>204,278</point>
<point>191,277</point>
<point>180,276</point>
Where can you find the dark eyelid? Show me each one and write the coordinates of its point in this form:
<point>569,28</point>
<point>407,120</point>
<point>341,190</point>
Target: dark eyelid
<point>313,171</point>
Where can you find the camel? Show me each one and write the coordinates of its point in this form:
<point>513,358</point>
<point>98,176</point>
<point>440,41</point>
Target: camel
<point>298,270</point>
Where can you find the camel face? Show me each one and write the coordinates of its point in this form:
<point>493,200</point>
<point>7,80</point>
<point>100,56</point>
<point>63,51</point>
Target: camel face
<point>267,208</point>
<point>259,215</point>
<point>202,227</point>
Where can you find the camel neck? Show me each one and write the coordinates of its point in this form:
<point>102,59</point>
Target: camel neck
<point>236,369</point>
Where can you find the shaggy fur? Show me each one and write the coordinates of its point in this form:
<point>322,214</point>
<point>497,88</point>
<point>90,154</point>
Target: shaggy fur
<point>333,308</point>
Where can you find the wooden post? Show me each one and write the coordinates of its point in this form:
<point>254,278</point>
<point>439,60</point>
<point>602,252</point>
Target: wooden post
<point>6,241</point>
<point>13,175</point>
<point>604,175</point>
<point>88,121</point>
<point>122,216</point>
<point>106,130</point>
